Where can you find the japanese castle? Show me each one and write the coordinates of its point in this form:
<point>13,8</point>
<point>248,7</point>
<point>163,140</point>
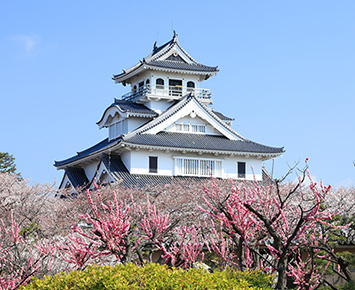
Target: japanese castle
<point>165,128</point>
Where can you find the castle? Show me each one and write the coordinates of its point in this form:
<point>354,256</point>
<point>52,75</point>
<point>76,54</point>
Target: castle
<point>166,128</point>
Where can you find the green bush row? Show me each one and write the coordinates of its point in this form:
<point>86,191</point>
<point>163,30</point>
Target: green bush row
<point>152,276</point>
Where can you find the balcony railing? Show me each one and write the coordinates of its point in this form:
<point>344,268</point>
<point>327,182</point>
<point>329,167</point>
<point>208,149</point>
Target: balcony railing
<point>167,92</point>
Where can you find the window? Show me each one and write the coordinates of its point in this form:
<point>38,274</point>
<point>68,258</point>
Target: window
<point>175,87</point>
<point>117,129</point>
<point>241,169</point>
<point>198,167</point>
<point>190,86</point>
<point>181,127</point>
<point>159,83</point>
<point>113,131</point>
<point>147,83</point>
<point>198,128</point>
<point>153,164</point>
<point>141,85</point>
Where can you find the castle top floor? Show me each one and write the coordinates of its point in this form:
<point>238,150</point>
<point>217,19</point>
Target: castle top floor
<point>168,73</point>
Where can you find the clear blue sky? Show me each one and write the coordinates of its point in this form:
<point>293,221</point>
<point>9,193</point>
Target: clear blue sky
<point>287,74</point>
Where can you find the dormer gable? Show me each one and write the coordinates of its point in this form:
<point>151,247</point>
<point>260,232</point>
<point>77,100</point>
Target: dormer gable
<point>122,117</point>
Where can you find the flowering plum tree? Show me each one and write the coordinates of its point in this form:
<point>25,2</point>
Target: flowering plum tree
<point>284,227</point>
<point>277,218</point>
<point>20,260</point>
<point>124,231</point>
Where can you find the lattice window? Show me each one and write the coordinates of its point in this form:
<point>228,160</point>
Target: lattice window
<point>198,167</point>
<point>181,127</point>
<point>198,128</point>
<point>117,129</point>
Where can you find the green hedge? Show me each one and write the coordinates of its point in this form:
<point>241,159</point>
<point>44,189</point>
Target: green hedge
<point>152,276</point>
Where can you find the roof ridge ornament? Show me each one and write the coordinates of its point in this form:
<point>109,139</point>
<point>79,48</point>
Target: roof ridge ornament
<point>155,46</point>
<point>175,37</point>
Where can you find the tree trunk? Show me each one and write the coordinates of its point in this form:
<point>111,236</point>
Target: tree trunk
<point>241,254</point>
<point>282,276</point>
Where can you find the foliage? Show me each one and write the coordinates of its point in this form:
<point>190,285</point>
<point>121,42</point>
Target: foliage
<point>290,229</point>
<point>349,257</point>
<point>274,225</point>
<point>348,286</point>
<point>7,163</point>
<point>153,276</point>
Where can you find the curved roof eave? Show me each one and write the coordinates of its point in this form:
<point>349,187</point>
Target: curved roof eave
<point>143,113</point>
<point>126,76</point>
<point>206,151</point>
<point>157,53</point>
<point>91,152</point>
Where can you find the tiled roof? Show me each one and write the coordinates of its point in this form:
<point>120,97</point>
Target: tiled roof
<point>120,172</point>
<point>127,106</point>
<point>167,113</point>
<point>77,177</point>
<point>156,59</point>
<point>223,117</point>
<point>200,141</point>
<point>181,140</point>
<point>182,65</point>
<point>178,106</point>
<point>130,107</point>
<point>99,146</point>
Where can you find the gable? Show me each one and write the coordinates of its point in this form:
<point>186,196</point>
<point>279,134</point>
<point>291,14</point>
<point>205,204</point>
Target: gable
<point>192,123</point>
<point>175,57</point>
<point>111,115</point>
<point>175,54</point>
<point>105,172</point>
<point>121,109</point>
<point>73,178</point>
<point>189,109</point>
<point>170,56</point>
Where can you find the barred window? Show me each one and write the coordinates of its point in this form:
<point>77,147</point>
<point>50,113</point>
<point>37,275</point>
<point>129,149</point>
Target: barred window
<point>117,129</point>
<point>198,167</point>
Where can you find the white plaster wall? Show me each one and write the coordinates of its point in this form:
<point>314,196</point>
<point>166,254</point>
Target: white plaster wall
<point>65,181</point>
<point>134,123</point>
<point>98,173</point>
<point>231,167</point>
<point>126,159</point>
<point>141,77</point>
<point>169,75</point>
<point>201,112</point>
<point>158,106</point>
<point>90,169</point>
<point>140,163</point>
<point>194,121</point>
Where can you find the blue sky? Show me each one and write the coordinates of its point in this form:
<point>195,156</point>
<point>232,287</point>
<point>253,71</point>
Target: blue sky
<point>286,75</point>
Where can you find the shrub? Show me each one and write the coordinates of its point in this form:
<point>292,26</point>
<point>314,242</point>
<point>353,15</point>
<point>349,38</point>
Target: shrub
<point>153,276</point>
